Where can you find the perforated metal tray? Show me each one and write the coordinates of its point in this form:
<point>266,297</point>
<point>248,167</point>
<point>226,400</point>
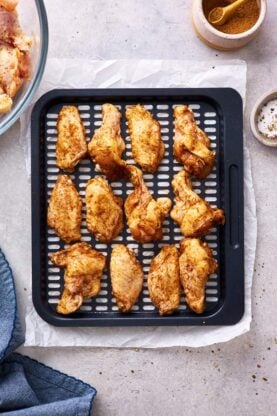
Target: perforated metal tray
<point>219,113</point>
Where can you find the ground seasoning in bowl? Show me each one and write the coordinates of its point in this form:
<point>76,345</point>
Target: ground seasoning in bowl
<point>243,19</point>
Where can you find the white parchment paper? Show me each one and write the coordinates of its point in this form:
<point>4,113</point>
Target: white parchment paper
<point>134,74</point>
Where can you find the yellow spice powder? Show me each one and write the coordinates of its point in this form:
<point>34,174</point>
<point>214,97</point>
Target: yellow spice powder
<point>244,18</point>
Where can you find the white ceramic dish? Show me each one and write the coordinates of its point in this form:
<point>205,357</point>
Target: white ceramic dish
<point>271,95</point>
<point>219,40</point>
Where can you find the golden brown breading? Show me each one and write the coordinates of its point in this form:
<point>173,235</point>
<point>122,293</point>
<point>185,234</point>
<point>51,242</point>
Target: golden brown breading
<point>82,279</point>
<point>60,258</point>
<point>145,215</point>
<point>196,264</point>
<point>107,145</point>
<point>145,134</point>
<point>104,210</point>
<point>164,280</point>
<point>126,277</point>
<point>65,210</point>
<point>191,144</point>
<point>71,144</point>
<point>194,215</point>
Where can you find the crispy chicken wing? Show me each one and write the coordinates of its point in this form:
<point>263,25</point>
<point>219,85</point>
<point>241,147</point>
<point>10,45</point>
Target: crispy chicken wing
<point>164,280</point>
<point>145,215</point>
<point>196,264</point>
<point>107,145</point>
<point>65,210</point>
<point>71,144</point>
<point>191,144</point>
<point>82,279</point>
<point>104,210</point>
<point>145,133</point>
<point>126,276</point>
<point>194,215</point>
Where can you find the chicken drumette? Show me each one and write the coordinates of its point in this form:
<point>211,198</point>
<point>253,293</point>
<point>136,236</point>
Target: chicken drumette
<point>145,134</point>
<point>71,144</point>
<point>191,144</point>
<point>196,264</point>
<point>145,215</point>
<point>65,210</point>
<point>82,279</point>
<point>164,280</point>
<point>126,277</point>
<point>107,145</point>
<point>194,215</point>
<point>104,210</point>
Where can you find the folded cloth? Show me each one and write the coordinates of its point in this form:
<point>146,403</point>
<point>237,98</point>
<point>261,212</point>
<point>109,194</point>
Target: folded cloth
<point>28,387</point>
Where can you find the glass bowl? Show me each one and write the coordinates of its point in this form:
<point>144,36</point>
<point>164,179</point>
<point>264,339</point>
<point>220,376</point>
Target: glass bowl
<point>33,20</point>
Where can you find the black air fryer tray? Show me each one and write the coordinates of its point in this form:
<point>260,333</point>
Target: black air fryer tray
<point>219,113</point>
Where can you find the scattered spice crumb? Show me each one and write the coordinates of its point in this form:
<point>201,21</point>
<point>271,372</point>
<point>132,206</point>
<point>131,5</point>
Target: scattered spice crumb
<point>100,372</point>
<point>253,376</point>
<point>132,371</point>
<point>265,379</point>
<point>258,365</point>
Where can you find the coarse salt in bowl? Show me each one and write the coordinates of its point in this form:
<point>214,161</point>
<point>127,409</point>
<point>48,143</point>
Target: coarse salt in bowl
<point>263,119</point>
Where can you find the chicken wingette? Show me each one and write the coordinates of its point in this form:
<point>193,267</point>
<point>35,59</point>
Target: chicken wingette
<point>145,134</point>
<point>196,264</point>
<point>126,277</point>
<point>14,69</point>
<point>191,145</point>
<point>194,215</point>
<point>104,210</point>
<point>106,146</point>
<point>145,215</point>
<point>82,279</point>
<point>164,280</point>
<point>65,210</point>
<point>71,143</point>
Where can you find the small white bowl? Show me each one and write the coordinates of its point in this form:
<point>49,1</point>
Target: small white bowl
<point>219,40</point>
<point>271,95</point>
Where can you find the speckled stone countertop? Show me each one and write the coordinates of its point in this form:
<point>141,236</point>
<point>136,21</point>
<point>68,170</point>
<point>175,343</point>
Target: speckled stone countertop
<point>234,378</point>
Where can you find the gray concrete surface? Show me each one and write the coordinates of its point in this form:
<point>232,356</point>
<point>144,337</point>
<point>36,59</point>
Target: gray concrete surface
<point>237,378</point>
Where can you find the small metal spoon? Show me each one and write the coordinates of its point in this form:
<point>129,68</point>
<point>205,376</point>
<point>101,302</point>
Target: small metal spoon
<point>224,13</point>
